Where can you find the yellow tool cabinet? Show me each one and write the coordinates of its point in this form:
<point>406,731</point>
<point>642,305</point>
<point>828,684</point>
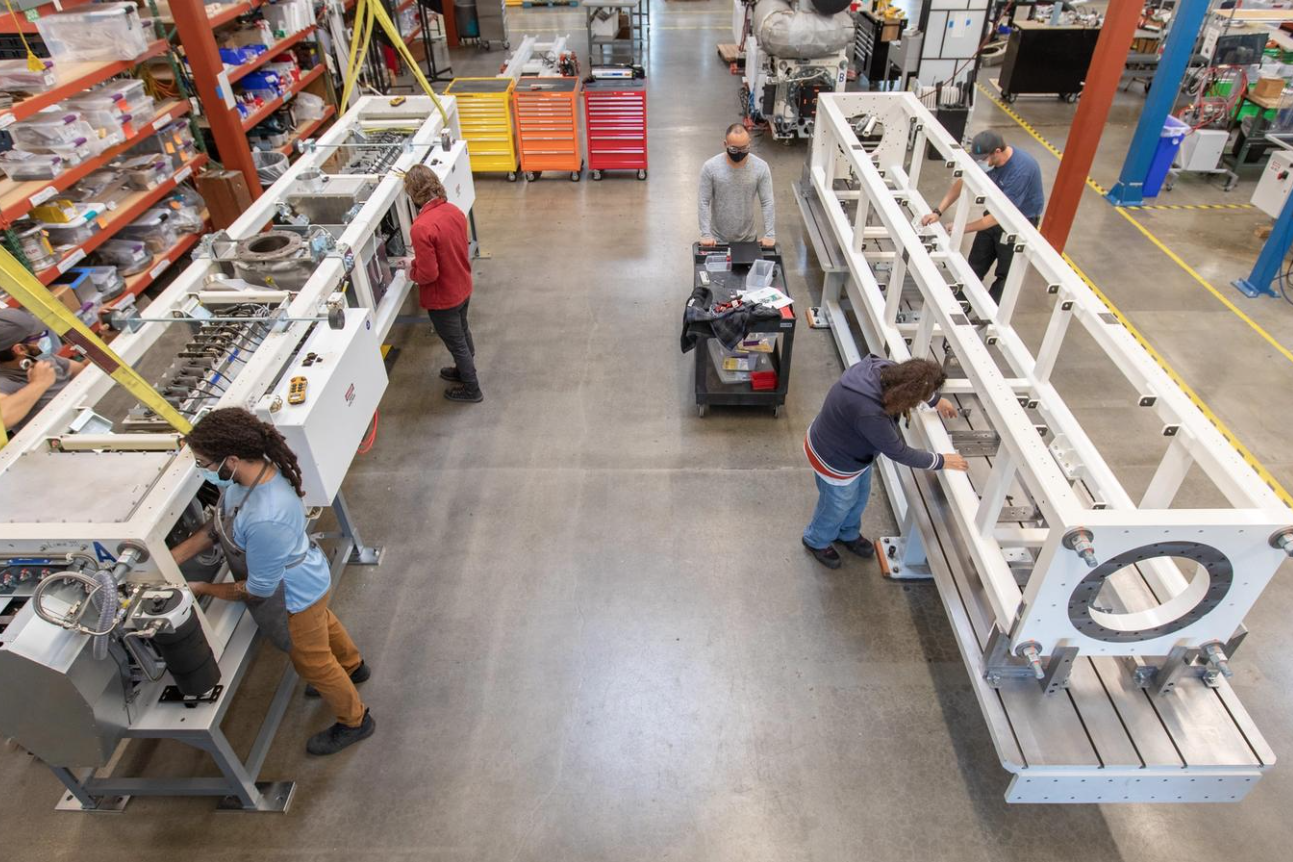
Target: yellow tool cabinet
<point>485,112</point>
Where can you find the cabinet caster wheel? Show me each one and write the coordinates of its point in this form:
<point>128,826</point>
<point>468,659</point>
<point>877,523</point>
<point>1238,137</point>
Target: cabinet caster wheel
<point>531,176</point>
<point>507,44</point>
<point>484,46</point>
<point>778,411</point>
<point>1070,97</point>
<point>596,175</point>
<point>702,410</point>
<point>575,175</point>
<point>511,176</point>
<point>1009,98</point>
<point>642,174</point>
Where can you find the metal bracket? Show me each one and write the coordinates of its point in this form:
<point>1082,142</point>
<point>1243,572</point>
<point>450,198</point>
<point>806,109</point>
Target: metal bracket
<point>975,443</point>
<point>275,797</point>
<point>1058,669</point>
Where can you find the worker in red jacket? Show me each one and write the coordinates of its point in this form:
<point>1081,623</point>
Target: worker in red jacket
<point>442,270</point>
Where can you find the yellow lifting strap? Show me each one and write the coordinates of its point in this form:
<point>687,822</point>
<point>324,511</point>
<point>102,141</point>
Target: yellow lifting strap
<point>368,14</point>
<point>36,298</point>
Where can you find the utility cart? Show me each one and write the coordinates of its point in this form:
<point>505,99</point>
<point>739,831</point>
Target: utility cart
<point>616,126</point>
<point>547,126</point>
<point>719,386</point>
<point>485,112</point>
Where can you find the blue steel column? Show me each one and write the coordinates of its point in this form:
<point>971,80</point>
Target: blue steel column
<point>1186,23</point>
<point>1258,282</point>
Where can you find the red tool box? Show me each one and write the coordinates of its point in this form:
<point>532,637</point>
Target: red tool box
<point>616,123</point>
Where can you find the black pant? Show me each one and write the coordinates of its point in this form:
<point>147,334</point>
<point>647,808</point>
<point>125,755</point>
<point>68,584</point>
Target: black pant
<point>989,248</point>
<point>451,325</point>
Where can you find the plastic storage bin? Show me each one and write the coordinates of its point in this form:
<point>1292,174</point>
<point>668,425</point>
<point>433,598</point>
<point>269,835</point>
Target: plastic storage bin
<point>51,128</point>
<point>103,31</point>
<point>14,75</point>
<point>717,262</point>
<point>742,365</point>
<point>760,275</point>
<point>22,167</point>
<point>102,283</point>
<point>128,255</point>
<point>154,229</point>
<point>122,96</point>
<point>1169,141</point>
<point>143,172</point>
<point>71,233</point>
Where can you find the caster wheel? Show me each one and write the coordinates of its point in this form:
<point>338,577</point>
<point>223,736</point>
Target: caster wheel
<point>702,410</point>
<point>1009,98</point>
<point>484,46</point>
<point>507,44</point>
<point>511,176</point>
<point>531,176</point>
<point>642,174</point>
<point>1071,97</point>
<point>596,175</point>
<point>777,411</point>
<point>575,175</point>
<point>1230,185</point>
<point>1167,187</point>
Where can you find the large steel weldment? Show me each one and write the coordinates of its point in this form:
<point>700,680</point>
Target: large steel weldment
<point>1099,628</point>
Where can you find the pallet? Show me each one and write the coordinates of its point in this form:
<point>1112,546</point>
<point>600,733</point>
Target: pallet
<point>730,53</point>
<point>529,3</point>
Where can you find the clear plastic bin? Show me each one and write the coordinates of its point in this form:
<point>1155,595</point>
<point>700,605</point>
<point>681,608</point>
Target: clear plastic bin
<point>154,228</point>
<point>129,255</point>
<point>103,31</point>
<point>103,283</point>
<point>16,77</point>
<point>71,233</point>
<point>760,275</point>
<point>307,106</point>
<point>99,186</point>
<point>120,96</point>
<point>143,172</point>
<point>717,262</point>
<point>53,127</point>
<point>22,167</point>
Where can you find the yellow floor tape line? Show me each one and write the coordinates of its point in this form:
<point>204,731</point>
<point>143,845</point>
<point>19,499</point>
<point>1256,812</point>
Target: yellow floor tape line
<point>19,283</point>
<point>1173,256</point>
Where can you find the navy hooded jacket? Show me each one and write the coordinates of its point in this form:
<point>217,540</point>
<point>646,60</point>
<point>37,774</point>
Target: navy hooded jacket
<point>853,428</point>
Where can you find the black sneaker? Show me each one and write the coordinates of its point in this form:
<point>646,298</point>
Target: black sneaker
<point>827,556</point>
<point>358,675</point>
<point>340,736</point>
<point>464,393</point>
<point>451,374</point>
<point>860,546</point>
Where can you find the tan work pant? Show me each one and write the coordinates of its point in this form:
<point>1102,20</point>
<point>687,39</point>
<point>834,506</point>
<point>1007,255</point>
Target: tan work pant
<point>325,656</point>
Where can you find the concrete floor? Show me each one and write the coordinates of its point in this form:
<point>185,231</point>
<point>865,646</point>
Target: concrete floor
<point>595,635</point>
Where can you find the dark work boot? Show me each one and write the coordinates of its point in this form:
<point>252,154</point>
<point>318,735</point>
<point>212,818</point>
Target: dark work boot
<point>358,675</point>
<point>860,546</point>
<point>463,392</point>
<point>340,736</point>
<point>827,556</point>
<point>451,374</point>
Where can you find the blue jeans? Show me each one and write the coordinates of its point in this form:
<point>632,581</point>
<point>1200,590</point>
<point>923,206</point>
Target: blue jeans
<point>838,515</point>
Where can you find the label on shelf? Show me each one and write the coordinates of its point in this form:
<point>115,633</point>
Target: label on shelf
<point>162,122</point>
<point>71,260</point>
<point>41,196</point>
<point>159,269</point>
<point>183,175</point>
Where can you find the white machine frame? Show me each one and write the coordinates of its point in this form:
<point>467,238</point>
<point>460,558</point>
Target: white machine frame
<point>1159,722</point>
<point>132,488</point>
<point>533,57</point>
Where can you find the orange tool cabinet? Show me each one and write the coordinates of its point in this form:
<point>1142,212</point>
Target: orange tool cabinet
<point>616,126</point>
<point>547,126</point>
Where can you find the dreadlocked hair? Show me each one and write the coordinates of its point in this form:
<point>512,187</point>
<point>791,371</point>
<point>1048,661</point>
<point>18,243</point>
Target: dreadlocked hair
<point>907,384</point>
<point>234,431</point>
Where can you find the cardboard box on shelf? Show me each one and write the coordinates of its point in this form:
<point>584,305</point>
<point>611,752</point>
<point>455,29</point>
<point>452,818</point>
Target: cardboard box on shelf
<point>226,194</point>
<point>65,295</point>
<point>1269,88</point>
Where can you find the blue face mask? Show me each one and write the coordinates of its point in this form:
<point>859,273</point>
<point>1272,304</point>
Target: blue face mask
<point>214,477</point>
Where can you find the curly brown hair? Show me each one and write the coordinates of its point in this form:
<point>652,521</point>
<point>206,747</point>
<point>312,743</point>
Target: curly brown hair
<point>234,431</point>
<point>907,384</point>
<point>423,186</point>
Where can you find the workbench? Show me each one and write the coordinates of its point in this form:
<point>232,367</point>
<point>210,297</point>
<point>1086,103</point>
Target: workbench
<point>724,285</point>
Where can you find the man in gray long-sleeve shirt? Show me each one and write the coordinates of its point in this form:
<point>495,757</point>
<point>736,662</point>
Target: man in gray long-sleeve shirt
<point>729,184</point>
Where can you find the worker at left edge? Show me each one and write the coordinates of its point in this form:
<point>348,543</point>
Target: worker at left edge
<point>27,359</point>
<point>1016,173</point>
<point>730,183</point>
<point>279,572</point>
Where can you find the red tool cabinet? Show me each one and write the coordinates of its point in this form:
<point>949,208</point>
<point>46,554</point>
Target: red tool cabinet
<point>616,126</point>
<point>547,126</point>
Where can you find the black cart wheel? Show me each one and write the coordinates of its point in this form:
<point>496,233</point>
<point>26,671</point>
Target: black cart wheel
<point>1009,97</point>
<point>531,176</point>
<point>507,44</point>
<point>596,175</point>
<point>511,176</point>
<point>778,410</point>
<point>575,175</point>
<point>702,410</point>
<point>642,174</point>
<point>1070,97</point>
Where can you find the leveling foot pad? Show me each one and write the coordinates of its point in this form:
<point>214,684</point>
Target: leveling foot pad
<point>275,798</point>
<point>817,318</point>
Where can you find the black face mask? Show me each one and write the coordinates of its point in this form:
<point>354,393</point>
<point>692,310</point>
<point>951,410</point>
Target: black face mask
<point>736,155</point>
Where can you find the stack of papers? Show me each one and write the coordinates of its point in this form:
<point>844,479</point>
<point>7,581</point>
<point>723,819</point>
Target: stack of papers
<point>769,296</point>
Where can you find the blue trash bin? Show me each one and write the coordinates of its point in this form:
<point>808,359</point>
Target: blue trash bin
<point>1169,141</point>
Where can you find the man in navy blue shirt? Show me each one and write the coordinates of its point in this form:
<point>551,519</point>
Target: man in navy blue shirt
<point>1017,174</point>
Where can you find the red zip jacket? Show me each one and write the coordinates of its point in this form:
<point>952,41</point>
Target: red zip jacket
<point>441,260</point>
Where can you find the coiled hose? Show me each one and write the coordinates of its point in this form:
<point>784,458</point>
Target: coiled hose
<point>107,610</point>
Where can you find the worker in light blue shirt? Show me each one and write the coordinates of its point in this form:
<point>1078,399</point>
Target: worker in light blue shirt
<point>278,570</point>
<point>1017,174</point>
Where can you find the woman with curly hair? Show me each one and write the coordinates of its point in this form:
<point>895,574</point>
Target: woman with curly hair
<point>859,423</point>
<point>278,571</point>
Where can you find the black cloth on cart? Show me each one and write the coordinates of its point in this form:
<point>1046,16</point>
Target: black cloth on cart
<point>700,320</point>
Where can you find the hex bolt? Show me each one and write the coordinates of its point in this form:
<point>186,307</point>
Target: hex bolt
<point>1284,541</point>
<point>1032,652</point>
<point>1080,541</point>
<point>1217,660</point>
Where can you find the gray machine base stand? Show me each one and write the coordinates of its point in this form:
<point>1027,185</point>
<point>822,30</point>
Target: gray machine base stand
<point>198,724</point>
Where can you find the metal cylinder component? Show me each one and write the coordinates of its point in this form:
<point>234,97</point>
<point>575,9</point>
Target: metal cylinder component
<point>275,258</point>
<point>1217,660</point>
<point>1080,542</point>
<point>183,645</point>
<point>1032,652</point>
